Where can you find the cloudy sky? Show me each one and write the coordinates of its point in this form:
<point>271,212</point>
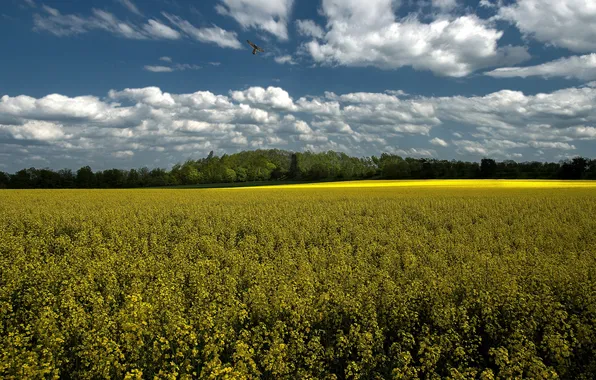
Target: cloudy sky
<point>130,83</point>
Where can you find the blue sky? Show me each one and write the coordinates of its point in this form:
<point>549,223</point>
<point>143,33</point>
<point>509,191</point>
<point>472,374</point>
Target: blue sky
<point>130,83</point>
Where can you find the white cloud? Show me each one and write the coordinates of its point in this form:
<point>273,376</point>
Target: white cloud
<point>368,34</point>
<point>318,106</point>
<point>152,96</point>
<point>144,121</point>
<point>512,113</point>
<point>411,152</point>
<point>439,142</point>
<point>564,23</point>
<point>583,132</point>
<point>123,154</point>
<point>172,67</point>
<point>488,4</point>
<point>333,126</point>
<point>551,145</point>
<point>269,15</point>
<point>444,5</point>
<point>274,97</point>
<point>580,67</point>
<point>60,25</point>
<point>309,28</point>
<point>158,69</point>
<point>35,130</point>
<point>65,25</point>
<point>110,23</point>
<point>131,6</point>
<point>285,59</point>
<point>186,66</point>
<point>500,148</point>
<point>214,34</point>
<point>53,107</point>
<point>30,3</point>
<point>159,30</point>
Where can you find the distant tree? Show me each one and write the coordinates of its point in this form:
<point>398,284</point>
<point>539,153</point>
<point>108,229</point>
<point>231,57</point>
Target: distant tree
<point>114,178</point>
<point>158,177</point>
<point>4,180</point>
<point>591,170</point>
<point>133,179</point>
<point>241,174</point>
<point>85,177</point>
<point>23,179</point>
<point>67,178</point>
<point>488,168</point>
<point>573,169</point>
<point>229,175</point>
<point>294,171</point>
<point>262,165</point>
<point>144,176</point>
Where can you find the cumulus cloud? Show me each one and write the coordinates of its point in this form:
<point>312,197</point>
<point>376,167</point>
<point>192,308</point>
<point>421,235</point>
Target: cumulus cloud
<point>439,142</point>
<point>502,148</point>
<point>368,34</point>
<point>578,67</point>
<point>35,130</point>
<point>139,123</point>
<point>509,112</point>
<point>268,15</point>
<point>563,23</point>
<point>488,4</point>
<point>274,97</point>
<point>123,153</point>
<point>309,28</point>
<point>165,59</point>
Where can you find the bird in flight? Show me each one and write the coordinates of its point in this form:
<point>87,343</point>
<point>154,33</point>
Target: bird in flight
<point>255,48</point>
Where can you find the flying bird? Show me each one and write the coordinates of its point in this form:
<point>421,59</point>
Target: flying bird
<point>255,48</point>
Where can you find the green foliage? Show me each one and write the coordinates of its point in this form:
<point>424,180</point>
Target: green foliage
<point>298,283</point>
<point>274,164</point>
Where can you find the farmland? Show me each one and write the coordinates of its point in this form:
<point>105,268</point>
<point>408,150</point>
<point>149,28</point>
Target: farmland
<point>376,279</point>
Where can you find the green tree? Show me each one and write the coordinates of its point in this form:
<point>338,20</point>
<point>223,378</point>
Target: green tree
<point>85,177</point>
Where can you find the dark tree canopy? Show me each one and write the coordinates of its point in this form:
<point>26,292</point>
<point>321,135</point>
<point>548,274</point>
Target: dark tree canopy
<point>281,165</point>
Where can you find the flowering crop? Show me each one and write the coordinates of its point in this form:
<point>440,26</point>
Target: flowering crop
<point>420,281</point>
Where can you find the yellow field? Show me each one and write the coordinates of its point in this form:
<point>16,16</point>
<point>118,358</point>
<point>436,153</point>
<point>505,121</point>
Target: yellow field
<point>460,183</point>
<point>406,279</point>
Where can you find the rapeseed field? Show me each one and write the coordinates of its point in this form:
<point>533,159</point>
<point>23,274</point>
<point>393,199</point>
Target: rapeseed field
<point>366,280</point>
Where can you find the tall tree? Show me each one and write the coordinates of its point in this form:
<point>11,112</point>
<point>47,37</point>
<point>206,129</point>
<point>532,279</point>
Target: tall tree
<point>85,177</point>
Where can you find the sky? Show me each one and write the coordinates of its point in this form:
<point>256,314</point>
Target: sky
<point>133,83</point>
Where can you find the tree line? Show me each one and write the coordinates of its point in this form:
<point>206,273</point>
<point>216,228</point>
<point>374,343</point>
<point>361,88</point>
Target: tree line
<point>282,165</point>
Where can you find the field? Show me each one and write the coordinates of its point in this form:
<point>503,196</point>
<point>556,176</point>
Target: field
<point>426,279</point>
